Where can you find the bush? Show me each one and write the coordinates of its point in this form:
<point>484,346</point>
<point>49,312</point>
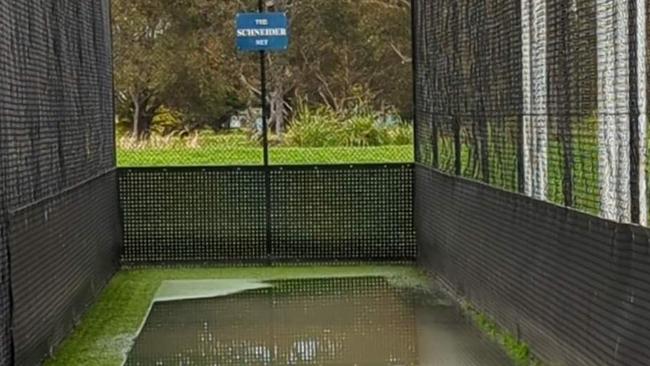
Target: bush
<point>314,128</point>
<point>402,134</point>
<point>362,130</point>
<point>322,127</point>
<point>311,127</point>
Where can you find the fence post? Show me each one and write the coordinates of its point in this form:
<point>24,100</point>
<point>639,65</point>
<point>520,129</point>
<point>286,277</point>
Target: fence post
<point>638,106</point>
<point>634,114</point>
<point>614,84</point>
<point>265,148</point>
<point>535,98</point>
<point>414,77</point>
<point>457,146</point>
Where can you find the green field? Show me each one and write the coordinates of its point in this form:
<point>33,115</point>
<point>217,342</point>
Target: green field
<point>242,155</point>
<point>503,161</point>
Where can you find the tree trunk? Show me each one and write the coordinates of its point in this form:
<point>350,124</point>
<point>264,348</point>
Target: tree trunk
<point>143,113</point>
<point>278,72</point>
<point>136,118</point>
<point>278,110</point>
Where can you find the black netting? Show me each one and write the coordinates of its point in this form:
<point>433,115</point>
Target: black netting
<point>569,284</point>
<point>56,99</point>
<point>344,212</point>
<point>63,251</point>
<point>573,178</point>
<point>543,97</point>
<point>5,297</point>
<point>193,215</point>
<point>546,98</point>
<point>220,214</point>
<point>56,145</point>
<point>469,88</point>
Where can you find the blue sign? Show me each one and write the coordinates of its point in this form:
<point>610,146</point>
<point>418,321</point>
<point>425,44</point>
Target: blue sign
<point>262,32</point>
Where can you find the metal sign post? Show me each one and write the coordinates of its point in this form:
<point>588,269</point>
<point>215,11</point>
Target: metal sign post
<point>263,32</point>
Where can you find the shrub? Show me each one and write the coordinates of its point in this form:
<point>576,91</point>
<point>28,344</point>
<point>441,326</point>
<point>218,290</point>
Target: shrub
<point>402,134</point>
<point>362,130</point>
<point>314,128</point>
<point>322,127</point>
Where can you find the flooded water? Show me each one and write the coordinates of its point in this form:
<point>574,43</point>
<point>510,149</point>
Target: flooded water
<point>350,321</point>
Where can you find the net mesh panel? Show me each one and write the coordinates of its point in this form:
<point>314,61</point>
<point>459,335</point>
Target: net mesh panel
<point>343,212</point>
<point>63,251</point>
<point>56,135</point>
<point>195,215</point>
<point>5,297</point>
<point>536,97</point>
<point>294,322</point>
<point>220,214</point>
<point>571,75</point>
<point>569,284</point>
<point>572,105</point>
<point>469,88</point>
<point>57,123</point>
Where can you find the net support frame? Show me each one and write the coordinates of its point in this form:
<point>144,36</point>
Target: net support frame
<point>613,109</point>
<point>535,94</point>
<point>641,75</point>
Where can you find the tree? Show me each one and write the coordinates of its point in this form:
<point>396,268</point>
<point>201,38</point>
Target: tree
<point>180,54</point>
<point>141,47</point>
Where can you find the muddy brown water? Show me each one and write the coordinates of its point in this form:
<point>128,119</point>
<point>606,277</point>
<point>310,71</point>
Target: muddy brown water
<point>344,321</point>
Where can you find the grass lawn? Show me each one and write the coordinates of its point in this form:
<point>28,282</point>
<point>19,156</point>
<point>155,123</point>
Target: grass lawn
<point>107,331</point>
<point>210,156</point>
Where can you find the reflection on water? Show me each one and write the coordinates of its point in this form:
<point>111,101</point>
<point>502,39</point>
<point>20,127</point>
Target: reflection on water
<point>351,321</point>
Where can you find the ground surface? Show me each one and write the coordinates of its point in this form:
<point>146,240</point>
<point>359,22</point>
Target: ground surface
<point>107,331</point>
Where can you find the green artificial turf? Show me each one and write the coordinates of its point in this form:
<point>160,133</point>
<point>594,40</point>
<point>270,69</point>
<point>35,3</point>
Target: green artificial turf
<point>107,331</point>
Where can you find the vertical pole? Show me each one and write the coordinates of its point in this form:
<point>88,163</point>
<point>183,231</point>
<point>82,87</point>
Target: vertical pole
<point>641,90</point>
<point>265,143</point>
<point>634,115</point>
<point>265,127</point>
<point>614,109</point>
<point>535,98</point>
<point>414,78</point>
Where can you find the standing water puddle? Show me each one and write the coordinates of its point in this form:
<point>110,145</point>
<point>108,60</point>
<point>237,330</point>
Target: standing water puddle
<point>342,321</point>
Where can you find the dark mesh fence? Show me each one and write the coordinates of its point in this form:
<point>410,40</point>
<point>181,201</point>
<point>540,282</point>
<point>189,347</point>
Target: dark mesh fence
<point>571,285</point>
<point>57,192</point>
<point>542,97</point>
<point>572,71</point>
<point>342,212</point>
<point>56,97</point>
<point>5,298</point>
<point>469,94</point>
<point>545,99</point>
<point>192,215</point>
<point>63,251</point>
<point>179,215</point>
